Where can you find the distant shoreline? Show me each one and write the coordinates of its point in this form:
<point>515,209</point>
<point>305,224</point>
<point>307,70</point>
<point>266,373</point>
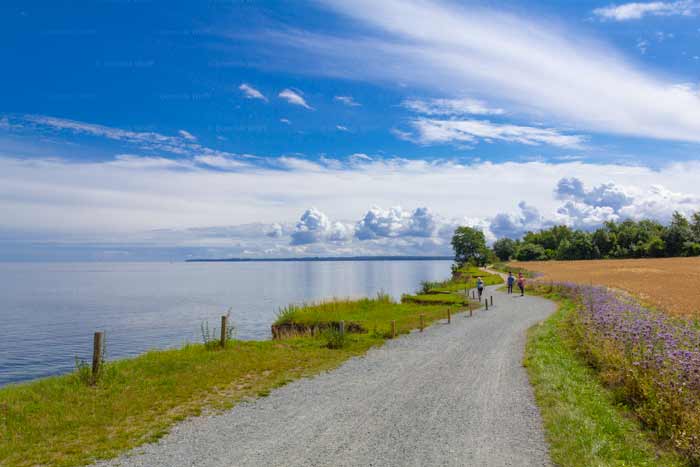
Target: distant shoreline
<point>321,258</point>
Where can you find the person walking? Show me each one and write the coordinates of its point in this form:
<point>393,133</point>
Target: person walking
<point>511,282</point>
<point>480,286</point>
<point>521,284</point>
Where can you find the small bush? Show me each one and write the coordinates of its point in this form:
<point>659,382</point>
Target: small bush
<point>334,339</point>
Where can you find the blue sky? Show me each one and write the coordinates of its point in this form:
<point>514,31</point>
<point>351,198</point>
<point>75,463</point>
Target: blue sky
<point>138,129</point>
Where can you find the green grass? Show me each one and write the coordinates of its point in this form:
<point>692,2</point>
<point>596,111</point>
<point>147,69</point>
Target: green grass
<point>62,421</point>
<point>436,299</point>
<point>374,315</point>
<point>584,424</point>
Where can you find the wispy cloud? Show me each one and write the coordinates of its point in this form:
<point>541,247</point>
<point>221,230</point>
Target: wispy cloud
<point>449,107</point>
<point>184,144</point>
<point>530,67</point>
<point>638,10</point>
<point>347,100</point>
<point>342,128</point>
<point>251,93</point>
<point>294,98</point>
<point>187,135</point>
<point>432,131</point>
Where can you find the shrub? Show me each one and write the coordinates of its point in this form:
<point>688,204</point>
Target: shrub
<point>333,338</point>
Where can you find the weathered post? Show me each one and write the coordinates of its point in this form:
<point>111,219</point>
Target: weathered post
<point>491,300</point>
<point>449,315</point>
<point>224,328</point>
<point>97,345</point>
<point>393,329</point>
<point>486,302</point>
<point>341,328</point>
<point>470,309</point>
<point>422,322</point>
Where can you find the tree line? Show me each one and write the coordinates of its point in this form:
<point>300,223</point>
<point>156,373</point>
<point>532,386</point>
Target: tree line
<point>627,239</point>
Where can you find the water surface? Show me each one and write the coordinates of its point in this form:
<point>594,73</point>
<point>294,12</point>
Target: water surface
<point>49,311</point>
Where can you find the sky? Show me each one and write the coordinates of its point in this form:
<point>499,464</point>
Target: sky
<point>135,130</point>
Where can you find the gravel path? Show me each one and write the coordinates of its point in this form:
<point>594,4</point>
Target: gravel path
<point>453,395</point>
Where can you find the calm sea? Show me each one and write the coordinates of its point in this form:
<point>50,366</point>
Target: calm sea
<point>49,311</point>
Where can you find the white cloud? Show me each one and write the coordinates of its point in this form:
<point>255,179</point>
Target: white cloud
<point>589,208</point>
<point>315,227</point>
<point>450,107</point>
<point>183,145</point>
<point>135,200</point>
<point>347,100</point>
<point>251,93</point>
<point>531,67</point>
<point>342,128</point>
<point>187,135</point>
<point>515,225</point>
<point>643,45</point>
<point>286,121</point>
<point>637,10</point>
<point>221,162</point>
<point>431,131</point>
<point>294,98</point>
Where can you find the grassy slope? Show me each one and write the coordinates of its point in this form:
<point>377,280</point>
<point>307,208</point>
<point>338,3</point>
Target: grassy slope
<point>61,421</point>
<point>584,425</point>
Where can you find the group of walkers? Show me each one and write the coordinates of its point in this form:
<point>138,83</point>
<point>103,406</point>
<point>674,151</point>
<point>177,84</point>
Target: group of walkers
<point>511,281</point>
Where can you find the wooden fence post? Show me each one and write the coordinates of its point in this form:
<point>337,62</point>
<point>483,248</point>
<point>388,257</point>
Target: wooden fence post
<point>422,322</point>
<point>393,329</point>
<point>449,315</point>
<point>486,302</point>
<point>341,328</point>
<point>224,328</point>
<point>97,346</point>
<point>491,300</point>
<point>470,309</point>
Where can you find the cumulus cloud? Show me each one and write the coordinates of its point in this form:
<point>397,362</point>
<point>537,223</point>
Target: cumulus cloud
<point>396,222</point>
<point>516,225</point>
<point>294,98</point>
<point>589,208</point>
<point>431,131</point>
<point>315,227</point>
<point>604,195</point>
<point>251,93</point>
<point>450,107</point>
<point>638,10</point>
<point>347,100</point>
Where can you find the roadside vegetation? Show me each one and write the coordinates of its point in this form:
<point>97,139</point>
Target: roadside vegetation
<point>72,420</point>
<point>585,422</point>
<point>617,383</point>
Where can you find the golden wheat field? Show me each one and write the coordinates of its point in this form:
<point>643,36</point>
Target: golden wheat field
<point>671,284</point>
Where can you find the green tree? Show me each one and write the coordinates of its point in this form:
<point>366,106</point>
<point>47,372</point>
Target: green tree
<point>679,233</point>
<point>579,246</point>
<point>469,245</point>
<point>695,227</point>
<point>530,252</point>
<point>504,248</point>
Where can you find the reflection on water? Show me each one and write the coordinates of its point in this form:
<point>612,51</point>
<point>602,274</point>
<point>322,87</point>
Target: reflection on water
<point>49,311</point>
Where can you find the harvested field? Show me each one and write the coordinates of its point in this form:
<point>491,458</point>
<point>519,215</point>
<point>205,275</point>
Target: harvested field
<point>670,284</point>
